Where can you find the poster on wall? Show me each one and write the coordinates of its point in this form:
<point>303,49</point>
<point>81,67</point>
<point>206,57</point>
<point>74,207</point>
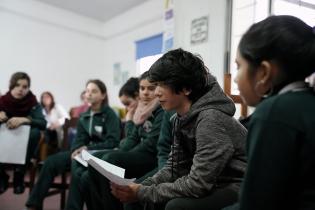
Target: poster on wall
<point>117,73</point>
<point>199,30</point>
<point>168,33</point>
<point>120,76</point>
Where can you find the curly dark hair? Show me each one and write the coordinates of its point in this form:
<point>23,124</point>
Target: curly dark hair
<point>180,70</point>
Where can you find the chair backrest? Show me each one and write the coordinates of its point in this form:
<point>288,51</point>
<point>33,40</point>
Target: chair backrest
<point>69,123</point>
<point>236,98</point>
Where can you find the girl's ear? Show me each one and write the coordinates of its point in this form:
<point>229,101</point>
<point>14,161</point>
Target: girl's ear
<point>265,72</point>
<point>264,77</point>
<point>104,96</point>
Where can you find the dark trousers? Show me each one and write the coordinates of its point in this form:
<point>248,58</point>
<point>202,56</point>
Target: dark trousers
<point>218,199</point>
<point>136,164</point>
<point>54,165</point>
<point>78,193</point>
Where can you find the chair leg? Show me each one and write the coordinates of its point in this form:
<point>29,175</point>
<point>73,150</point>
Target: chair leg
<point>33,171</point>
<point>63,191</point>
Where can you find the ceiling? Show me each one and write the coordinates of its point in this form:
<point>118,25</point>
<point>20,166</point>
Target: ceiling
<point>101,10</point>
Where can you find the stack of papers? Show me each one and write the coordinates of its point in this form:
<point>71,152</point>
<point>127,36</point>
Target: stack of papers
<point>114,173</point>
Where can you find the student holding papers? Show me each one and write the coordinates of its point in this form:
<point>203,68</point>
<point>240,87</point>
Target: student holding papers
<point>97,129</point>
<point>20,107</point>
<point>207,161</point>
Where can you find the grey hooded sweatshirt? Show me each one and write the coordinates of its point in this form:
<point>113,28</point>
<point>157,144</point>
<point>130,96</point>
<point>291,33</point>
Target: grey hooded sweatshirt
<point>208,151</point>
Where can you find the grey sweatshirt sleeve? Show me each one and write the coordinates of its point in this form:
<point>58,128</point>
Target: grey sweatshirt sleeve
<point>214,149</point>
<point>163,175</point>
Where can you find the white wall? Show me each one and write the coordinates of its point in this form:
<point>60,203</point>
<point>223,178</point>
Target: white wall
<point>58,49</point>
<point>147,20</point>
<point>122,32</point>
<point>61,50</point>
<point>212,51</point>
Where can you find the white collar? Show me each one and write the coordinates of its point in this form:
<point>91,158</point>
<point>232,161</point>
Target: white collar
<point>294,87</point>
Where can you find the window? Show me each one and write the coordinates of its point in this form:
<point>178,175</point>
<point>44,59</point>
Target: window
<point>247,12</point>
<point>244,14</point>
<point>148,51</point>
<point>305,10</point>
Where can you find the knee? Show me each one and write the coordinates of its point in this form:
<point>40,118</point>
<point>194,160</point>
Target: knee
<point>34,135</point>
<point>76,170</point>
<point>174,204</point>
<point>84,180</point>
<point>114,158</point>
<point>50,164</point>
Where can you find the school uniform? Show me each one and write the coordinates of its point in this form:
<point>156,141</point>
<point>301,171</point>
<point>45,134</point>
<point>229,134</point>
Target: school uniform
<point>37,124</point>
<point>164,149</point>
<point>138,156</point>
<point>163,145</point>
<point>100,130</point>
<point>280,147</point>
<point>27,107</point>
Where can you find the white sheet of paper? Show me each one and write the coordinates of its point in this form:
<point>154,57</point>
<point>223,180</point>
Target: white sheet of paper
<point>81,160</point>
<point>87,154</point>
<point>112,177</point>
<point>113,173</point>
<point>13,144</point>
<point>118,171</point>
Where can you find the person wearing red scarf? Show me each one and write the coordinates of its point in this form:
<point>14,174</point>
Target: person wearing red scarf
<point>20,107</point>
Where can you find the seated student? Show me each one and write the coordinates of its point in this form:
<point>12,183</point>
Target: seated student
<point>77,110</point>
<point>98,128</point>
<point>207,161</point>
<point>163,149</point>
<point>20,107</point>
<point>75,114</point>
<point>138,154</point>
<point>55,116</point>
<point>274,57</point>
<point>129,97</point>
<point>129,93</point>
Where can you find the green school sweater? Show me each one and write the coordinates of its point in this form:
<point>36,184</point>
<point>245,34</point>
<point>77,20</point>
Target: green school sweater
<point>100,130</point>
<point>144,137</point>
<point>281,160</point>
<point>165,139</point>
<point>37,118</point>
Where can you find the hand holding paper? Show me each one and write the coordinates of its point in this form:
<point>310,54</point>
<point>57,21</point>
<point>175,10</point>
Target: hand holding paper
<point>79,158</point>
<point>127,193</point>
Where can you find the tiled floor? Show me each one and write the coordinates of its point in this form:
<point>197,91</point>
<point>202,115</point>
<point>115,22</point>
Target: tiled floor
<point>11,201</point>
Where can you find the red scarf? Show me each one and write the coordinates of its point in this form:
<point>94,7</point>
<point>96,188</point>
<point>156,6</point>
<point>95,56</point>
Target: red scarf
<point>17,107</point>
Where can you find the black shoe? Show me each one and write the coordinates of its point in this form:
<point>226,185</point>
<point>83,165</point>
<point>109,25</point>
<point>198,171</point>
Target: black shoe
<point>4,183</point>
<point>18,182</point>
